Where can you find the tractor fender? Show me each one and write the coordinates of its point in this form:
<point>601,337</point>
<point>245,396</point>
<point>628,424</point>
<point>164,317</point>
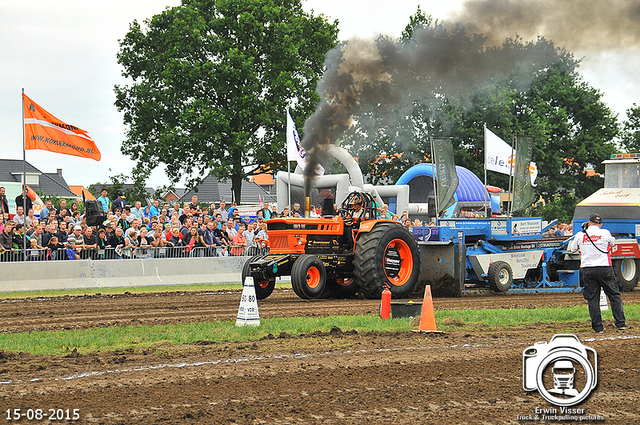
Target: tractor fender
<point>367,226</point>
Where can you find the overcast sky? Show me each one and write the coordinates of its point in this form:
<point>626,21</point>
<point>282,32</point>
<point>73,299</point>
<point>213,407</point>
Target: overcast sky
<point>63,54</point>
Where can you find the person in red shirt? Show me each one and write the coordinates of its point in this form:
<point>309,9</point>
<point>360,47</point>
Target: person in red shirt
<point>239,242</point>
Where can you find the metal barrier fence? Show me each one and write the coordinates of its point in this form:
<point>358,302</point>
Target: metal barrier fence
<point>127,253</point>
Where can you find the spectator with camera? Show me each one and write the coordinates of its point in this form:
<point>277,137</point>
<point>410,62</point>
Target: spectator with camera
<point>119,202</point>
<point>55,250</point>
<point>117,242</point>
<point>210,239</point>
<point>594,244</point>
<point>194,242</point>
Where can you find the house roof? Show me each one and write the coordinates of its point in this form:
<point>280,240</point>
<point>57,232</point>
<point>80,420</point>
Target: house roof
<point>50,183</point>
<point>263,179</point>
<point>213,190</point>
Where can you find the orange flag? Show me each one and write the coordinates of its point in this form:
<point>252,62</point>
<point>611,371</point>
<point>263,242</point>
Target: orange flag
<point>44,131</point>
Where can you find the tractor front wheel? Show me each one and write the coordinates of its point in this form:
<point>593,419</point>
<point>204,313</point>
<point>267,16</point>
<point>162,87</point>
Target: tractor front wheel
<point>264,288</point>
<point>389,255</point>
<point>308,277</point>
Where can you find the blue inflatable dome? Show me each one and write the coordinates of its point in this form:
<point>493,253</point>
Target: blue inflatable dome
<point>420,180</point>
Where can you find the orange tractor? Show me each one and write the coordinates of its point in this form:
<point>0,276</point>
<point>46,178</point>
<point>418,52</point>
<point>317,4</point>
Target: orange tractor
<point>338,255</point>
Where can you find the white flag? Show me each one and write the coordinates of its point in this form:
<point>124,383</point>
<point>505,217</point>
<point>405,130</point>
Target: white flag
<point>533,171</point>
<point>295,152</point>
<point>499,157</point>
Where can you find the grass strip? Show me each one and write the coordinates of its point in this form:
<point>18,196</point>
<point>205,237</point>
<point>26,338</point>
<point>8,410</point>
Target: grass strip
<point>125,337</point>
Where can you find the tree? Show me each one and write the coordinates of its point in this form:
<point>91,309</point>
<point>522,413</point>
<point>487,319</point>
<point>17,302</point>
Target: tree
<point>212,80</point>
<point>136,192</point>
<point>560,207</point>
<point>631,130</point>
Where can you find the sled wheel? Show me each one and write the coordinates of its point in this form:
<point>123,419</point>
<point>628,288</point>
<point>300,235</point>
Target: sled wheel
<point>627,271</point>
<point>500,276</point>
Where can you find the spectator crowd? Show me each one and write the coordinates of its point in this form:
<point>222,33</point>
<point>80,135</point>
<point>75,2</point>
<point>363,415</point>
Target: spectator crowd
<point>137,231</point>
<point>130,231</point>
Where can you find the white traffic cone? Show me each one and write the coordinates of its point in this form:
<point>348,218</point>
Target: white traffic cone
<point>248,310</point>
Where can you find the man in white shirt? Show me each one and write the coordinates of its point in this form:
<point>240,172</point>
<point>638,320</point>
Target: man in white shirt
<point>19,217</point>
<point>231,228</point>
<point>137,211</point>
<point>594,244</point>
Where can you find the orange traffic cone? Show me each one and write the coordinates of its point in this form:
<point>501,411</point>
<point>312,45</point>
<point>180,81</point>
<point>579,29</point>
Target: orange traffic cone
<point>427,316</point>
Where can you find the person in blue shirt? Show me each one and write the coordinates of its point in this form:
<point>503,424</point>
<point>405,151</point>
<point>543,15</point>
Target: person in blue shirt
<point>154,211</point>
<point>104,200</point>
<point>44,212</point>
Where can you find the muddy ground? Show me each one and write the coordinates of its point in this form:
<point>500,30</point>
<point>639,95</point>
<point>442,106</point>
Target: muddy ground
<point>338,377</point>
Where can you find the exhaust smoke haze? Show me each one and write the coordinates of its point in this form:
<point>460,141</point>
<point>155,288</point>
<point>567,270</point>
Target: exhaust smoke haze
<point>388,76</point>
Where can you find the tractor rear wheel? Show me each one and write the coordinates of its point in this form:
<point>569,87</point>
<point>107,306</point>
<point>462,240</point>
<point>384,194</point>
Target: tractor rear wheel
<point>341,288</point>
<point>387,254</point>
<point>264,288</point>
<point>308,277</point>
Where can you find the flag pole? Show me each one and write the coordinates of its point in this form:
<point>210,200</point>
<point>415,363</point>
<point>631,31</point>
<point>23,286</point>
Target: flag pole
<point>289,178</point>
<point>286,152</point>
<point>435,175</point>
<point>511,176</point>
<point>24,181</point>
<point>486,207</point>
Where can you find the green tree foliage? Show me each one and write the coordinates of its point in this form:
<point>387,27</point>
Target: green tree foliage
<point>631,130</point>
<point>560,207</point>
<point>212,80</point>
<point>120,183</point>
<point>55,200</point>
<point>544,97</point>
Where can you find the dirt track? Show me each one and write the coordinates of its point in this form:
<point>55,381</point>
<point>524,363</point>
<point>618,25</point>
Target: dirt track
<point>340,377</point>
